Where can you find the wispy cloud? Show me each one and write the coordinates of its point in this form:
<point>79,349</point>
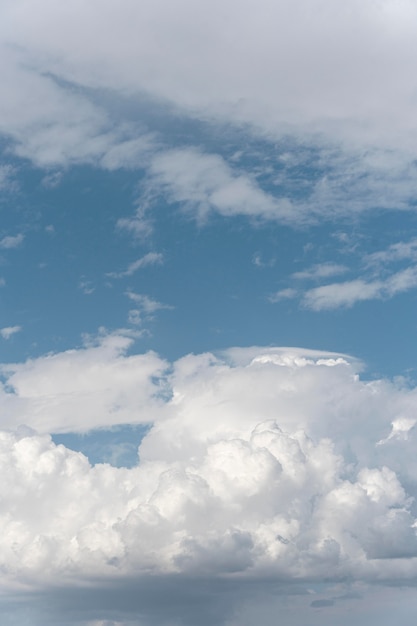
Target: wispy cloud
<point>380,279</point>
<point>151,258</point>
<point>283,294</point>
<point>9,331</point>
<point>400,251</point>
<point>348,293</point>
<point>11,241</point>
<point>203,183</point>
<point>145,307</point>
<point>319,271</point>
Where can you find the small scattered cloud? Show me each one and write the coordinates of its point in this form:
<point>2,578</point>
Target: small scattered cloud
<point>145,308</point>
<point>11,241</point>
<point>259,261</point>
<point>52,180</point>
<point>151,258</point>
<point>283,294</point>
<point>9,331</point>
<point>7,178</point>
<point>319,271</point>
<point>346,294</point>
<point>378,281</point>
<point>86,287</point>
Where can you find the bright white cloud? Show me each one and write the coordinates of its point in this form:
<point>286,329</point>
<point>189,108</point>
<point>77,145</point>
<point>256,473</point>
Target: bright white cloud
<point>260,463</point>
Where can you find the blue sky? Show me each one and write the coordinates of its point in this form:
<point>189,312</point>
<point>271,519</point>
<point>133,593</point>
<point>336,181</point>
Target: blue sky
<point>208,281</point>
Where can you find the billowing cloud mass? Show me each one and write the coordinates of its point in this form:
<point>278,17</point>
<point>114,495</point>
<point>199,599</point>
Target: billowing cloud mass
<point>194,161</point>
<point>259,463</point>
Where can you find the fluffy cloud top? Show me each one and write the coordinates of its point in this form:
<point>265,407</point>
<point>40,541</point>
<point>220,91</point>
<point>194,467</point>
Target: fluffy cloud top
<point>261,462</point>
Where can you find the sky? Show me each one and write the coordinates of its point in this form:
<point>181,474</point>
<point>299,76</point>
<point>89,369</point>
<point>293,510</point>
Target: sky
<point>208,297</point>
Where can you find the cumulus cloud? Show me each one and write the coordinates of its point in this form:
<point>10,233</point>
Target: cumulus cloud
<point>257,464</point>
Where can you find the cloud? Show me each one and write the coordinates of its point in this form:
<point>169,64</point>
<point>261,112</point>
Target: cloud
<point>151,258</point>
<point>297,70</point>
<point>7,178</point>
<point>205,182</point>
<point>265,444</point>
<point>322,270</point>
<point>298,94</point>
<point>400,251</point>
<point>78,390</point>
<point>8,331</point>
<point>261,464</point>
<point>145,307</point>
<point>10,241</point>
<point>283,294</point>
<point>349,293</point>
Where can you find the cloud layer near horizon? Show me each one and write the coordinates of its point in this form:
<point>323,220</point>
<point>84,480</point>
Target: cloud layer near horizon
<point>259,462</point>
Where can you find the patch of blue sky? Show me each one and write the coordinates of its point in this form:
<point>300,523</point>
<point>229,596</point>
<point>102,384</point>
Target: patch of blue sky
<point>116,446</point>
<point>214,284</point>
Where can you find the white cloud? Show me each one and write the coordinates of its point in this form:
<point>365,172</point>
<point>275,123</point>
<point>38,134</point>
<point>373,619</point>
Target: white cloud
<point>303,71</point>
<point>6,243</point>
<point>348,293</point>
<point>7,178</point>
<point>402,250</point>
<point>301,65</point>
<point>8,331</point>
<point>94,386</point>
<point>260,463</point>
<point>145,308</point>
<point>205,182</point>
<point>151,258</point>
<point>342,294</point>
<point>283,294</point>
<point>322,270</point>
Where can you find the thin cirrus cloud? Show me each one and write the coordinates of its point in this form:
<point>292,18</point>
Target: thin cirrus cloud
<point>151,258</point>
<point>245,474</point>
